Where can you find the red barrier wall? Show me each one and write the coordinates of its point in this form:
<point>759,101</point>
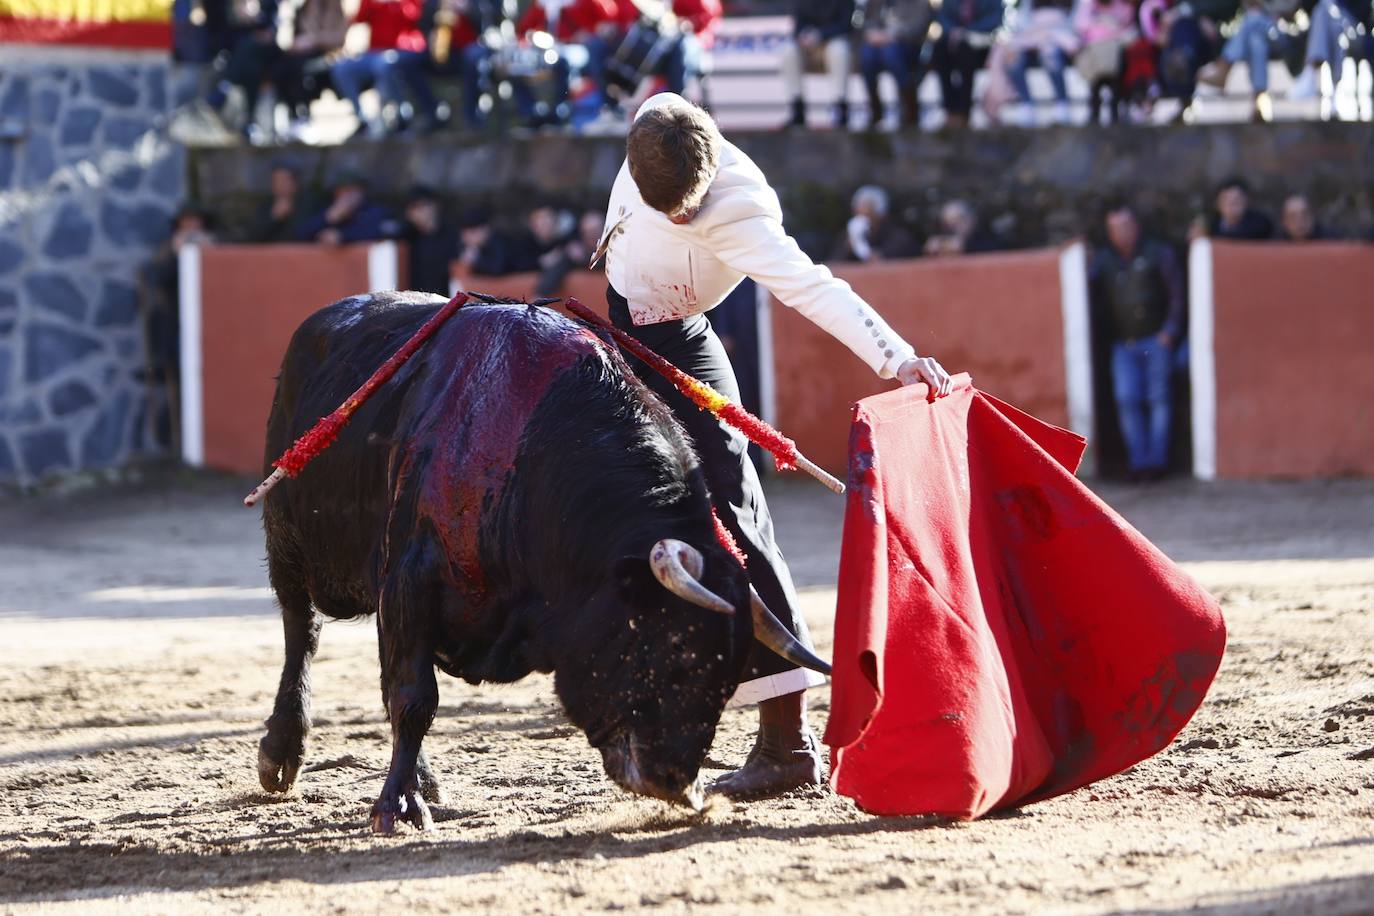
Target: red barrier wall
<point>589,287</point>
<point>253,297</point>
<point>995,316</point>
<point>1294,352</point>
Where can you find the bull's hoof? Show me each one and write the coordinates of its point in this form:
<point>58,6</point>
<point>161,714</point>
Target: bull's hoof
<point>276,775</point>
<point>409,807</point>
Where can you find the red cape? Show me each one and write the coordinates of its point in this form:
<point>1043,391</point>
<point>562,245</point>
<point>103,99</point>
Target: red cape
<point>1002,636</point>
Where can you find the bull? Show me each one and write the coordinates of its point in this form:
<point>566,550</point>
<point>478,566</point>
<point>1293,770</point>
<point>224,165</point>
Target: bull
<point>513,500</point>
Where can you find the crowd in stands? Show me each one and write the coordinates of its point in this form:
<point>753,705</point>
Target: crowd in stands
<point>578,63</point>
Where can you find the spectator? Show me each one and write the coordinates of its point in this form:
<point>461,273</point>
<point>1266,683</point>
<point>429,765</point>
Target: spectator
<point>1191,39</point>
<point>460,49</point>
<point>893,34</point>
<point>302,69</point>
<point>1251,43</point>
<point>1044,32</point>
<point>1105,27</point>
<point>1297,222</point>
<point>547,228</point>
<point>821,36</point>
<point>351,216</point>
<point>1333,27</point>
<point>482,249</point>
<point>247,32</point>
<point>1138,292</point>
<point>967,30</point>
<point>572,255</point>
<point>395,59</point>
<point>282,219</point>
<point>431,243</point>
<point>696,21</point>
<point>870,236</point>
<point>574,25</point>
<point>1233,218</point>
<point>961,233</point>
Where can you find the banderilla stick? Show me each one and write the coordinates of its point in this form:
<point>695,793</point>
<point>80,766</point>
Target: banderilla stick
<point>320,436</point>
<point>783,449</point>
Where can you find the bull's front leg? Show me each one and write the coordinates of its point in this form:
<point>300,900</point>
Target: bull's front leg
<point>281,749</point>
<point>405,627</point>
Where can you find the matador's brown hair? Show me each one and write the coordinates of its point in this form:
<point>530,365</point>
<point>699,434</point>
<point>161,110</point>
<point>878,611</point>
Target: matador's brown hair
<point>673,151</point>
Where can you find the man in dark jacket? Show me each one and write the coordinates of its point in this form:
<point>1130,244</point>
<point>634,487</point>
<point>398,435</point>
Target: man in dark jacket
<point>1138,291</point>
<point>967,30</point>
<point>822,30</point>
<point>1234,218</point>
<point>351,217</point>
<point>431,243</point>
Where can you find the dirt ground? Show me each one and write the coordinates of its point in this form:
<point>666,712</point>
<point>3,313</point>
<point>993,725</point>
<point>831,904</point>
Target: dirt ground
<point>140,652</point>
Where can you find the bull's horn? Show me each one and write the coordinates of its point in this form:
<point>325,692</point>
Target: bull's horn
<point>770,631</point>
<point>677,566</point>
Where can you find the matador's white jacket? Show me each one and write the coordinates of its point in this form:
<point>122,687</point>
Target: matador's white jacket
<point>668,271</point>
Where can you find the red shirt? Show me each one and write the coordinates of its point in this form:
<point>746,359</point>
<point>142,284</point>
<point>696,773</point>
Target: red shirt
<point>578,16</point>
<point>394,23</point>
<point>703,15</point>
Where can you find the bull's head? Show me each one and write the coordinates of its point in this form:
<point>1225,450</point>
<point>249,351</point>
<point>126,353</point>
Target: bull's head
<point>656,654</point>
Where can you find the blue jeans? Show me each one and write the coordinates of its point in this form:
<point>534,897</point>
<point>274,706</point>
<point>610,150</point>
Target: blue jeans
<point>1250,43</point>
<point>1141,376</point>
<point>390,72</point>
<point>898,58</point>
<point>1053,60</point>
<point>1325,39</point>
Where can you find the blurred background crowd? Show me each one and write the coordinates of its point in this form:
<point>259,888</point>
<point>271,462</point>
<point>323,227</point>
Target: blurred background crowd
<point>578,65</point>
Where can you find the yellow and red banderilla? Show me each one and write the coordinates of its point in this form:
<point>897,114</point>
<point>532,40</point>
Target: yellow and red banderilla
<point>320,436</point>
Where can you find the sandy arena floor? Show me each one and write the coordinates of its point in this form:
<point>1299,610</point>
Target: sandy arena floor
<point>140,652</point>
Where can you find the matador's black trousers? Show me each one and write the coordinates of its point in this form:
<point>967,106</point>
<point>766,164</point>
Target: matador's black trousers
<point>692,346</point>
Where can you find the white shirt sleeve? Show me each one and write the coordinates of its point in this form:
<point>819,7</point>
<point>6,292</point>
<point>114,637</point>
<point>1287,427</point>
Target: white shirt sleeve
<point>758,247</point>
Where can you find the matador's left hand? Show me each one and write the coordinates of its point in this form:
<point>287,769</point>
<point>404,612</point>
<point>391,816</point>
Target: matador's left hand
<point>926,369</point>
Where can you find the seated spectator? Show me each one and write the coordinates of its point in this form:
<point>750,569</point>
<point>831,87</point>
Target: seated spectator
<point>821,41</point>
<point>351,216</point>
<point>695,21</point>
<point>1233,218</point>
<point>1137,288</point>
<point>482,250</point>
<point>248,32</point>
<point>1251,43</point>
<point>961,233</point>
<point>1297,223</point>
<point>1190,38</point>
<point>572,255</point>
<point>869,235</point>
<point>1106,28</point>
<point>967,31</point>
<point>1043,32</point>
<point>893,33</point>
<point>302,70</point>
<point>395,60</point>
<point>575,26</point>
<point>1333,26</point>
<point>458,46</point>
<point>431,244</point>
<point>546,229</point>
<point>281,219</point>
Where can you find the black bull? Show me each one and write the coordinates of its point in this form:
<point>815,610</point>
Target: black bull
<point>513,500</point>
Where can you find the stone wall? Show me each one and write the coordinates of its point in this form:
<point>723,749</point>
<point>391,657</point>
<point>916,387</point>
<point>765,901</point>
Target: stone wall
<point>88,186</point>
<point>1037,187</point>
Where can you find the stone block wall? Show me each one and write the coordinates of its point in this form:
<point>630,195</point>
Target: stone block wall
<point>88,186</point>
